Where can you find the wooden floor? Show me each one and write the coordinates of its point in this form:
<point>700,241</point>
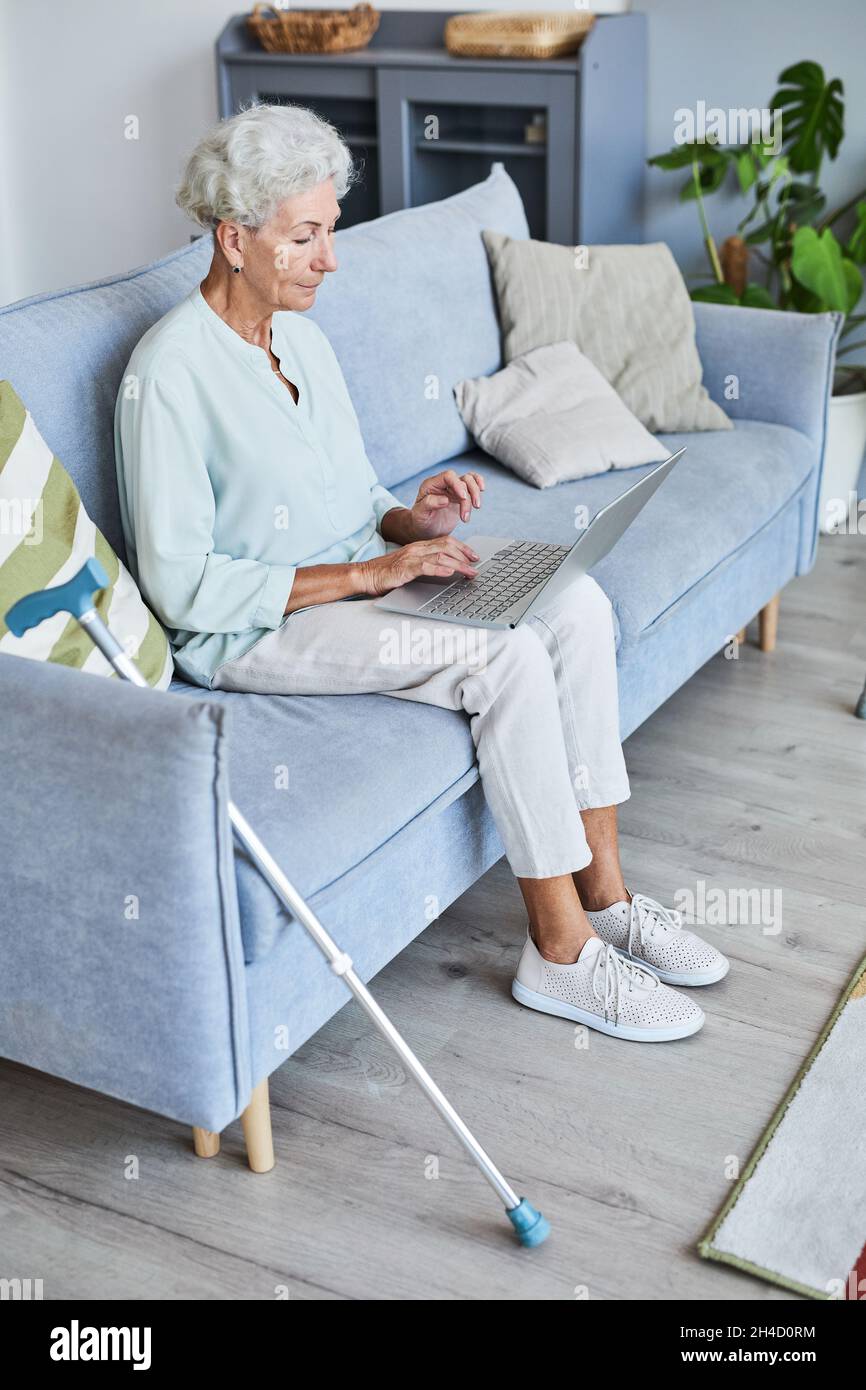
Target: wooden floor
<point>753,775</point>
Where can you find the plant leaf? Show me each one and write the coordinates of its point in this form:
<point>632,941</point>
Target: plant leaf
<point>812,115</point>
<point>803,203</point>
<point>857,241</point>
<point>746,170</point>
<point>818,264</point>
<point>677,158</point>
<point>761,234</point>
<point>681,156</point>
<point>714,294</point>
<point>778,168</point>
<point>756,297</point>
<point>711,175</point>
<point>854,279</point>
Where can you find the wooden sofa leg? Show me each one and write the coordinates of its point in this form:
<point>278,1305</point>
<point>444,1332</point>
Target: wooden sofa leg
<point>256,1121</point>
<point>769,623</point>
<point>205,1142</point>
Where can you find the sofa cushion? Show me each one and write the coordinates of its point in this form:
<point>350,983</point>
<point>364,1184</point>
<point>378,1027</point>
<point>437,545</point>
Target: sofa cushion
<point>326,779</point>
<point>726,487</point>
<point>65,354</point>
<point>410,312</point>
<point>551,417</point>
<point>627,308</point>
<point>49,540</point>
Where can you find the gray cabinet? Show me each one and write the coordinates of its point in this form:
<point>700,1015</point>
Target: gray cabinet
<point>423,124</point>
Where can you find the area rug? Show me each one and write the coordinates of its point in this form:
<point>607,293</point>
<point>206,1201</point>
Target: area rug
<point>797,1214</point>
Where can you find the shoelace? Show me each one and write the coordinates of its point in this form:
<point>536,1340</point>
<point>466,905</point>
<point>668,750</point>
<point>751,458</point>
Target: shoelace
<point>619,974</point>
<point>649,918</point>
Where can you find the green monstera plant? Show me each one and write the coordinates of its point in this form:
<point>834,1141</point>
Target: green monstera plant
<point>785,253</point>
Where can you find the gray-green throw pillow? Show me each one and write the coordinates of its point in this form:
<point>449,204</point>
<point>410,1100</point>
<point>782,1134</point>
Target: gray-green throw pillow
<point>626,307</point>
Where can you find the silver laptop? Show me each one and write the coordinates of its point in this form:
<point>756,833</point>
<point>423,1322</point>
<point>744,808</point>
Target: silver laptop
<point>513,576</point>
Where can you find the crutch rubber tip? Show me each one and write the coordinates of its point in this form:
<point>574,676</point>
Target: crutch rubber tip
<point>532,1228</point>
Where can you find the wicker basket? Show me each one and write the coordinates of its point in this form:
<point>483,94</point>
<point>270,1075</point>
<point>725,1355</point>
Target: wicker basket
<point>517,34</point>
<point>313,31</point>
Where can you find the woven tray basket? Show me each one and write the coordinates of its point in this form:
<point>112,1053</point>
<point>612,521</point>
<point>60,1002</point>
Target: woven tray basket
<point>517,34</point>
<point>313,31</point>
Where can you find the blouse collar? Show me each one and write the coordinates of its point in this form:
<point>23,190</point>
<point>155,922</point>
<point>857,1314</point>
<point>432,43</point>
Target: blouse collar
<point>253,354</point>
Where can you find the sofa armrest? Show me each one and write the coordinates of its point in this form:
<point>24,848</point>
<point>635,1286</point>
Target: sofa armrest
<point>783,364</point>
<point>782,370</point>
<point>121,965</point>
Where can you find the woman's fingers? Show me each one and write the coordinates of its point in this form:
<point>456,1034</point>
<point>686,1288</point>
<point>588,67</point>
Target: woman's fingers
<point>447,571</point>
<point>471,481</point>
<point>460,491</point>
<point>459,548</point>
<point>448,557</point>
<point>446,488</point>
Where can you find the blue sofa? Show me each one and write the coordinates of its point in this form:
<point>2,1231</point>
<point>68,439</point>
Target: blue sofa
<point>144,958</point>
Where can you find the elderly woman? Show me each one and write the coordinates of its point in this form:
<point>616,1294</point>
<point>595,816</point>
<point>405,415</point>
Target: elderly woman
<point>260,535</point>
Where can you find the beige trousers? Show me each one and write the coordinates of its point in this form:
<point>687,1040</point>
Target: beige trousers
<point>541,700</point>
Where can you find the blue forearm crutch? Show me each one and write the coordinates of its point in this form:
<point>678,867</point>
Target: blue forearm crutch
<point>76,597</point>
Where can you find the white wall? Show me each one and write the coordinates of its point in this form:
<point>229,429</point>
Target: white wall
<point>9,279</point>
<point>86,201</point>
<point>82,202</point>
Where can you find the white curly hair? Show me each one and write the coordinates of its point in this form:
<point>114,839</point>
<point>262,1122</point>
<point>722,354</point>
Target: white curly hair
<point>250,163</point>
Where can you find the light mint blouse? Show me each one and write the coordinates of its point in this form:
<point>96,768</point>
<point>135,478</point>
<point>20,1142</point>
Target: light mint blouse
<point>227,487</point>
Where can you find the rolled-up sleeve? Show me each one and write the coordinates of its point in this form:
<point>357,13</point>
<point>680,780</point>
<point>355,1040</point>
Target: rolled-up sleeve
<point>170,501</point>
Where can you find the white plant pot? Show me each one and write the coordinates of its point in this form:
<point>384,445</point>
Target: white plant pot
<point>843,459</point>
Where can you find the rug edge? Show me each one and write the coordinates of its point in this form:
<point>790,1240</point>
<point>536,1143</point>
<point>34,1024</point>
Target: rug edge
<point>705,1247</point>
<point>770,1276</point>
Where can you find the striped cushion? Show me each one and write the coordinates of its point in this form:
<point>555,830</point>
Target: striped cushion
<point>45,537</point>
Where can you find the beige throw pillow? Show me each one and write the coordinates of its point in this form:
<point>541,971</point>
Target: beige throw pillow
<point>550,416</point>
<point>627,309</point>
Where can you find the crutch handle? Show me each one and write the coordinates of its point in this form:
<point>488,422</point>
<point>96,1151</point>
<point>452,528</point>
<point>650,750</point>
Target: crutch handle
<point>75,597</point>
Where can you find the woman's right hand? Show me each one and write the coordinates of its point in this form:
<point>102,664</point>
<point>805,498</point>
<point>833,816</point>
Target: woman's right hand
<point>439,558</point>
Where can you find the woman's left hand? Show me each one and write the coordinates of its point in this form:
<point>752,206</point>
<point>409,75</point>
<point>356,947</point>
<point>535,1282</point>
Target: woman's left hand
<point>443,500</point>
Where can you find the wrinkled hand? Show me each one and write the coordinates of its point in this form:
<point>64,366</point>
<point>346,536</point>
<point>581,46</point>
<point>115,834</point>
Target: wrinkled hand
<point>437,558</point>
<point>445,499</point>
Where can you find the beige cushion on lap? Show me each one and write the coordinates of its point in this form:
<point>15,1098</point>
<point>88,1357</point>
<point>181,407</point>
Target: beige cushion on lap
<point>550,416</point>
<point>628,310</point>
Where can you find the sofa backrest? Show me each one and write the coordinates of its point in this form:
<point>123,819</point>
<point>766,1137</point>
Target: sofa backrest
<point>410,311</point>
<point>65,354</point>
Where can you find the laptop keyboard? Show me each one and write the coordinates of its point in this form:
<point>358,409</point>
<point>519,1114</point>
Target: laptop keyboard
<point>510,573</point>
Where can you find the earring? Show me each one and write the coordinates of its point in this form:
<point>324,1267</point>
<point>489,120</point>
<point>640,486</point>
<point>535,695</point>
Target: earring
<point>236,269</point>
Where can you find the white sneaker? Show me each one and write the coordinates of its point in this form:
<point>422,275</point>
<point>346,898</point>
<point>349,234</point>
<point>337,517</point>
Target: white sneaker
<point>605,991</point>
<point>654,937</point>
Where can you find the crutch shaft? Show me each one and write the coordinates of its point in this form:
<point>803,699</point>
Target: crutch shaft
<point>342,966</point>
<point>111,649</point>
